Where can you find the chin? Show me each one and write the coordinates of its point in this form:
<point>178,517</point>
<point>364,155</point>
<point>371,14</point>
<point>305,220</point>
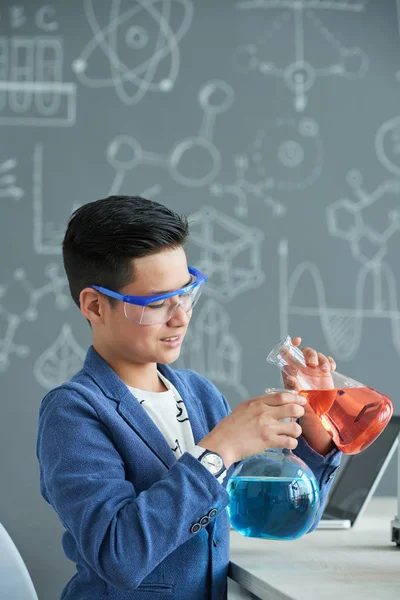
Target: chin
<point>170,357</point>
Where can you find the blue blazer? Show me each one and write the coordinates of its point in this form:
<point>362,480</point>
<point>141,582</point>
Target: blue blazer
<point>140,525</point>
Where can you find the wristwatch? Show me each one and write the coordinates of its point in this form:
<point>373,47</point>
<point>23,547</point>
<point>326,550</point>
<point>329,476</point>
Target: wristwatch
<point>213,462</point>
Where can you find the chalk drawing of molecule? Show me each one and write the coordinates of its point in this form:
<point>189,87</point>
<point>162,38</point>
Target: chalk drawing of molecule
<point>349,219</point>
<point>8,187</point>
<point>387,145</point>
<point>298,19</point>
<point>140,46</point>
<point>286,155</point>
<point>125,153</point>
<point>212,350</point>
<point>19,292</point>
<point>368,234</point>
<point>60,361</point>
<point>346,220</point>
<point>228,252</point>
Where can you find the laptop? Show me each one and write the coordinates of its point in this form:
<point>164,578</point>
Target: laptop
<point>358,478</point>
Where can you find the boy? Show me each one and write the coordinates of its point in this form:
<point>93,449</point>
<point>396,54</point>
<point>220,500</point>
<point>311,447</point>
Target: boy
<point>133,455</point>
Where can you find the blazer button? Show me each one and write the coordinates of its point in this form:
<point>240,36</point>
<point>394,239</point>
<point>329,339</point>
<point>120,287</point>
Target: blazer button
<point>204,520</point>
<point>195,527</point>
<point>213,513</point>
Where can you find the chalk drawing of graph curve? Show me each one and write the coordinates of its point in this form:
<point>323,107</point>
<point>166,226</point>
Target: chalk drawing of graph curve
<point>300,75</point>
<point>132,83</point>
<point>212,350</point>
<point>342,328</point>
<point>229,253</point>
<point>60,361</point>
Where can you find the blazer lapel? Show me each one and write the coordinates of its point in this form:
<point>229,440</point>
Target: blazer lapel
<point>128,406</point>
<point>193,405</point>
<point>134,414</point>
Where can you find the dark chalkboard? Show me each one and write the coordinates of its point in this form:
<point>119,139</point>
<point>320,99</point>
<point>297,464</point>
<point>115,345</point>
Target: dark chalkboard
<point>275,124</point>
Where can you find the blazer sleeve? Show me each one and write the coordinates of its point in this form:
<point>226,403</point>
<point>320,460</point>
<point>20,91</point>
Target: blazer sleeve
<point>324,469</point>
<point>122,535</point>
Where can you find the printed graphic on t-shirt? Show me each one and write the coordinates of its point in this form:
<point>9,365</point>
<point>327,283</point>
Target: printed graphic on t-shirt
<point>181,411</point>
<point>181,417</point>
<point>168,411</point>
<point>177,447</point>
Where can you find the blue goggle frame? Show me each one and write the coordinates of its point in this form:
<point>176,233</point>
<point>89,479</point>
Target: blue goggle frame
<point>146,300</point>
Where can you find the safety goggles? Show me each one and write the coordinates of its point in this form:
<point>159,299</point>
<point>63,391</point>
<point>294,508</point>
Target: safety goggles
<point>159,308</point>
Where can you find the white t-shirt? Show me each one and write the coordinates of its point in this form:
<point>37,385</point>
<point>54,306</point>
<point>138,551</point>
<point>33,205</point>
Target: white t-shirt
<point>168,412</point>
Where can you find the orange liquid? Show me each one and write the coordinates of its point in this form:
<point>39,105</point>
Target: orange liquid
<point>353,417</point>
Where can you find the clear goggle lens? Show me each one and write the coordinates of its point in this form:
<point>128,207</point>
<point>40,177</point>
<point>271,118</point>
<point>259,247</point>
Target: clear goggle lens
<point>162,311</point>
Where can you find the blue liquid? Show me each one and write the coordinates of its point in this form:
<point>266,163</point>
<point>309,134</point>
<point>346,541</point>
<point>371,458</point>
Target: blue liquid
<point>272,507</point>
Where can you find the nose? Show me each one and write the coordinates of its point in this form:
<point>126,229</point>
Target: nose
<point>180,318</point>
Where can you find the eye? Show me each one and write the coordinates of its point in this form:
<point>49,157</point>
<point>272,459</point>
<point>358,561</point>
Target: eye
<point>159,304</point>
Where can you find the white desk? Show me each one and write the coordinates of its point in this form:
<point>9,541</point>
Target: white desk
<point>356,564</point>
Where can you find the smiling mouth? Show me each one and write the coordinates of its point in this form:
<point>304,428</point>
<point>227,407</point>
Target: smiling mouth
<point>171,339</point>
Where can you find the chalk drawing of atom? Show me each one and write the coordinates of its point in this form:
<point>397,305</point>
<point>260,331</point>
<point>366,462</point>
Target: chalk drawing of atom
<point>139,45</point>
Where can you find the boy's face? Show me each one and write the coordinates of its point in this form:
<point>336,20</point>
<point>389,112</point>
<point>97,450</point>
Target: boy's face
<point>142,344</point>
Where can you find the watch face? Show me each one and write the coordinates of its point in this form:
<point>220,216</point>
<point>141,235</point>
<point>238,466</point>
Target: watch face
<point>213,462</point>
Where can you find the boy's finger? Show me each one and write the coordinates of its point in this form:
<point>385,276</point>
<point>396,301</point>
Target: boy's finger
<point>324,362</point>
<point>311,356</point>
<point>280,397</point>
<point>332,363</point>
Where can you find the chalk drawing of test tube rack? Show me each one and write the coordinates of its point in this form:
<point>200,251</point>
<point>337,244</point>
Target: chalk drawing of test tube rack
<point>32,92</point>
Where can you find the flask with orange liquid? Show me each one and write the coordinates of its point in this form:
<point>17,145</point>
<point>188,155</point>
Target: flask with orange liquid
<point>352,413</point>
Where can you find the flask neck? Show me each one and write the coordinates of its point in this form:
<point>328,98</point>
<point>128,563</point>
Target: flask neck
<point>284,355</point>
<point>285,351</point>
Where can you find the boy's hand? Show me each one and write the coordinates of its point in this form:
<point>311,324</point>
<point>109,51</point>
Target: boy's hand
<point>318,372</point>
<point>255,425</point>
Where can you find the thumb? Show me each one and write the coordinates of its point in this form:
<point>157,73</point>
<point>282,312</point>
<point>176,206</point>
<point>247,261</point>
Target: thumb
<point>296,341</point>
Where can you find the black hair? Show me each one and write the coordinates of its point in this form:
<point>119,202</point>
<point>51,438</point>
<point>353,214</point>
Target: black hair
<point>104,237</point>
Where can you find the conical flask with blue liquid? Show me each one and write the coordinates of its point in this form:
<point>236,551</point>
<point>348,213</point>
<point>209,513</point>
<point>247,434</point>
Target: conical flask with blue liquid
<point>273,495</point>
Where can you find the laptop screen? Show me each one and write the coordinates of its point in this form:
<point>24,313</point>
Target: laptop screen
<point>360,474</point>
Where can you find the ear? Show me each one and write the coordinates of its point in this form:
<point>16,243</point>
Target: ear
<point>92,305</point>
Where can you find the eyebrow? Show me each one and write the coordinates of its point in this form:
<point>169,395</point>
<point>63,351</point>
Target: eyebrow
<point>159,292</point>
